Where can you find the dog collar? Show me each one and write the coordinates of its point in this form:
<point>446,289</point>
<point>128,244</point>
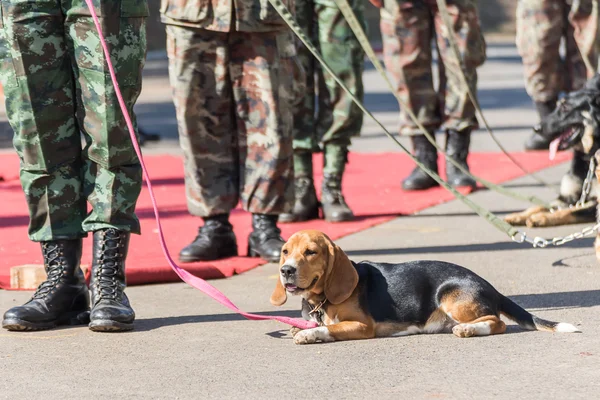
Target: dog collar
<point>317,311</point>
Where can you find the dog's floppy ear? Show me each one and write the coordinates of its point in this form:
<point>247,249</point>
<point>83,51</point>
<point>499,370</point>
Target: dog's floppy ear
<point>279,296</point>
<point>341,277</point>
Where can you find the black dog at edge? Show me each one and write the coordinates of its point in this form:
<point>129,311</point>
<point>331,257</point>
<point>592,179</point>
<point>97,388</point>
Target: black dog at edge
<point>574,124</point>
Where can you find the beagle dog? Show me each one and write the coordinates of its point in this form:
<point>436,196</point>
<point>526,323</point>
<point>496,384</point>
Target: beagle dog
<point>364,300</point>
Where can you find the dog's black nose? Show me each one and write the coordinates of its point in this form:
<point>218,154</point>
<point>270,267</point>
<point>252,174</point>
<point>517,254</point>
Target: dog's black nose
<point>288,271</point>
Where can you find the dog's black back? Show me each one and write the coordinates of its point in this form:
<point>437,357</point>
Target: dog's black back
<point>412,291</point>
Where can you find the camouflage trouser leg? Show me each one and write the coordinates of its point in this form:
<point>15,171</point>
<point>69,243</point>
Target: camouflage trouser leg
<point>407,29</point>
<point>541,24</point>
<point>234,121</point>
<point>407,35</point>
<point>338,119</point>
<point>459,111</point>
<point>57,86</point>
<point>305,130</point>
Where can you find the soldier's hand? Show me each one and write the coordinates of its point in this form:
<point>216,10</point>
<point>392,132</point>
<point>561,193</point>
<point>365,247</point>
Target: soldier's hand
<point>377,3</point>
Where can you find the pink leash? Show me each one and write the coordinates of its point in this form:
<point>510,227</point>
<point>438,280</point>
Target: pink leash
<point>187,277</point>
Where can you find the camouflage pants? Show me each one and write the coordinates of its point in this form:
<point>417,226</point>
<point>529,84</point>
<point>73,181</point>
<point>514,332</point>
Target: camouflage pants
<point>407,28</point>
<point>231,94</point>
<point>338,118</point>
<point>541,24</point>
<point>57,87</point>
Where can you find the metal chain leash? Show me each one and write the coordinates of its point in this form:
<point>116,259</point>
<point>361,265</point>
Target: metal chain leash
<point>537,241</point>
<point>588,183</point>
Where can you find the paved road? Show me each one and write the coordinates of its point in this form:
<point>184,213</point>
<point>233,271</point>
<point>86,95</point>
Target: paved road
<point>186,346</point>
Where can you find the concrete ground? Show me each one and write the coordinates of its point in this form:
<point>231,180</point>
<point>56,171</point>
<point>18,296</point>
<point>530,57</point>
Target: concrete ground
<point>187,346</point>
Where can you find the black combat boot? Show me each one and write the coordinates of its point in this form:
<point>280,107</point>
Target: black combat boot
<point>426,153</point>
<point>535,141</point>
<point>333,203</point>
<point>215,240</point>
<point>110,306</point>
<point>306,205</point>
<point>62,299</point>
<point>457,147</point>
<point>265,241</point>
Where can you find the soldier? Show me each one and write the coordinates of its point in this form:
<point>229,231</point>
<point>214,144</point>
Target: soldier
<point>407,28</point>
<point>338,118</point>
<point>229,69</point>
<point>541,24</point>
<point>57,86</point>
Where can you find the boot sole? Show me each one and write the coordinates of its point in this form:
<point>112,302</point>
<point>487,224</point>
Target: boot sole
<point>106,325</point>
<point>19,325</point>
<point>471,185</point>
<point>418,188</point>
<point>314,214</point>
<point>71,319</point>
<point>340,219</point>
<point>255,254</point>
<point>196,259</point>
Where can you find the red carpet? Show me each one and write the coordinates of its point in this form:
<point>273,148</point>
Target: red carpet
<point>371,186</point>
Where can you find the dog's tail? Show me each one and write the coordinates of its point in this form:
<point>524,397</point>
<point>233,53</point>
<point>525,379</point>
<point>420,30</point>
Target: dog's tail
<point>529,321</point>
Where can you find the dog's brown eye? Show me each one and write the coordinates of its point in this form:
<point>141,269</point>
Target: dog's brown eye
<point>285,252</point>
<point>309,253</point>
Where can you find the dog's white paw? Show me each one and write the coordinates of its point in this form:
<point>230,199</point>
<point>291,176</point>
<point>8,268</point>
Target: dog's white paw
<point>310,336</point>
<point>294,331</point>
<point>305,337</point>
<point>463,330</point>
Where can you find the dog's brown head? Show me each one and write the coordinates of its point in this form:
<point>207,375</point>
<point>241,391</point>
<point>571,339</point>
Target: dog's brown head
<point>312,263</point>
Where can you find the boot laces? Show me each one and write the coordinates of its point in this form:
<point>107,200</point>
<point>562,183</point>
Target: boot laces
<point>268,229</point>
<point>108,270</point>
<point>209,230</point>
<point>203,235</point>
<point>273,233</point>
<point>55,269</point>
<point>302,187</point>
<point>333,191</point>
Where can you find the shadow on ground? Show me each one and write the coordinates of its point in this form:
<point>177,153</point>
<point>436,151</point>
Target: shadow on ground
<point>143,325</point>
<point>462,248</point>
<point>560,300</point>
